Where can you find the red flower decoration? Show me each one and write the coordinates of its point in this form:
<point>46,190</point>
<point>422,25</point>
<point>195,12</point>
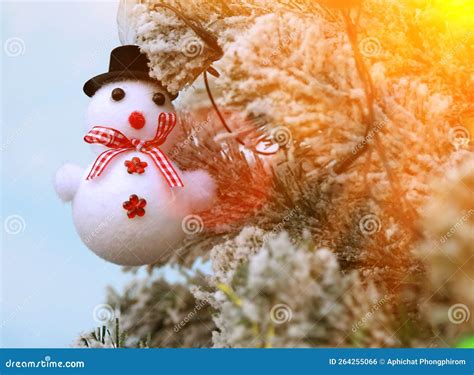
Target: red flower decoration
<point>136,165</point>
<point>135,206</point>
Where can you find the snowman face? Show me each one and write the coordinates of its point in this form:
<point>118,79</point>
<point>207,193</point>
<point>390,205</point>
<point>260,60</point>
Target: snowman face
<point>130,106</point>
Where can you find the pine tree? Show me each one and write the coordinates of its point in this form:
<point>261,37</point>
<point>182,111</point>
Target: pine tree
<point>358,231</point>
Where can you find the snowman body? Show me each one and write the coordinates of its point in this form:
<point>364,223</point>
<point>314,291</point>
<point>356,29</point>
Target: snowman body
<point>103,223</point>
<point>104,215</point>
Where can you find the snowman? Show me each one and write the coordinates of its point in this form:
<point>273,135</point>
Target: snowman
<point>128,206</point>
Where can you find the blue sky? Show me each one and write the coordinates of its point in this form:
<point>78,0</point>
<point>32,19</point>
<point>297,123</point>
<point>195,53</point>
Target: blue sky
<point>50,281</point>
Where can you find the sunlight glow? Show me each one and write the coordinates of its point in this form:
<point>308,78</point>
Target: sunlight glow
<point>457,13</point>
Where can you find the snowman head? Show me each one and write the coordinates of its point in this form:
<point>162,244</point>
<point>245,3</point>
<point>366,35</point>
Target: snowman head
<point>131,107</point>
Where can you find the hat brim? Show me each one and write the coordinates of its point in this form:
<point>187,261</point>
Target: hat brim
<point>95,83</point>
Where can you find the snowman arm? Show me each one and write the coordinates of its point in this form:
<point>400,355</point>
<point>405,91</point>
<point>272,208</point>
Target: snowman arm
<point>199,189</point>
<point>67,181</point>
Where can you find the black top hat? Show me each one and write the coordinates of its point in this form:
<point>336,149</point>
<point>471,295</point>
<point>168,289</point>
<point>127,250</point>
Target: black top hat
<point>125,62</point>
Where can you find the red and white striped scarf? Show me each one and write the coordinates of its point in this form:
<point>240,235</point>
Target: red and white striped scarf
<point>118,143</point>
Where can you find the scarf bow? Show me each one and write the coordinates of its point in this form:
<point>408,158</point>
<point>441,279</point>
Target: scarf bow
<point>119,143</point>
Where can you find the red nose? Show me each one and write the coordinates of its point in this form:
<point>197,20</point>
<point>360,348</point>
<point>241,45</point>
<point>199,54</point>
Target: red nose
<point>136,120</point>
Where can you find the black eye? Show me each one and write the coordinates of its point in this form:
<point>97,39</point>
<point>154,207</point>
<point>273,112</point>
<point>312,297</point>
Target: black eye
<point>159,98</point>
<point>118,94</point>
